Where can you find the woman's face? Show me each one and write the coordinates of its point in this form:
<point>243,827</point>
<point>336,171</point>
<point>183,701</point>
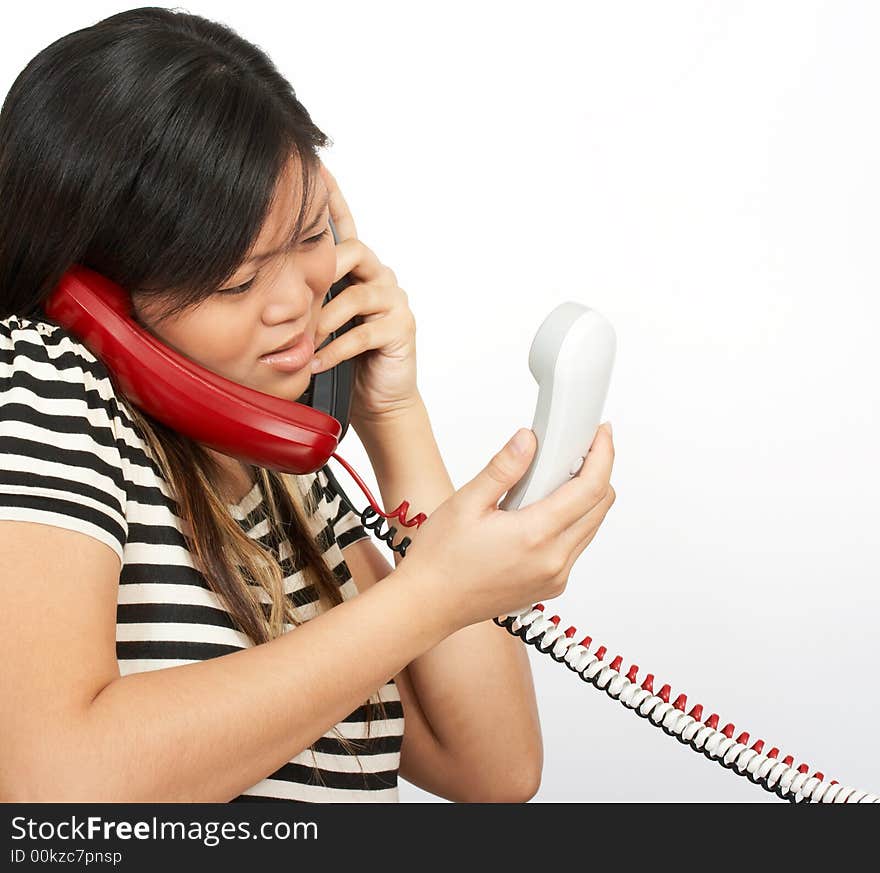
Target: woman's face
<point>228,332</point>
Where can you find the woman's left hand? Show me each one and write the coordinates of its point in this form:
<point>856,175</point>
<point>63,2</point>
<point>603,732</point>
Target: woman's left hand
<point>385,380</point>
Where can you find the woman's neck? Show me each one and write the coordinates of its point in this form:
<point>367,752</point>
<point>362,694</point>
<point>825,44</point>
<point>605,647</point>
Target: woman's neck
<point>237,480</point>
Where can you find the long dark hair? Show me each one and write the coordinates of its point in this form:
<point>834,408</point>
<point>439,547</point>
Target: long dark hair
<point>149,147</point>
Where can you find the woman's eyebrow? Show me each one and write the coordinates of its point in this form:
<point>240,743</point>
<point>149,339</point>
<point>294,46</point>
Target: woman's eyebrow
<point>284,248</point>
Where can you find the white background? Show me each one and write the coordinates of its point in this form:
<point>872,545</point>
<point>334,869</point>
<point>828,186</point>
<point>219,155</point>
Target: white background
<point>705,175</point>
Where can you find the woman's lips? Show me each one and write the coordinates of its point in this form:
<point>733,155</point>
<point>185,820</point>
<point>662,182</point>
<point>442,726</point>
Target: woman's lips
<point>292,359</point>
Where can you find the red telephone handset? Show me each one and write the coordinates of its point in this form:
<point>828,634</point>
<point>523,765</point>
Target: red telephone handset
<point>256,427</point>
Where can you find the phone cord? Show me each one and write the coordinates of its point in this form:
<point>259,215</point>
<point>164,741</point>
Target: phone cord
<point>781,778</point>
<point>373,516</point>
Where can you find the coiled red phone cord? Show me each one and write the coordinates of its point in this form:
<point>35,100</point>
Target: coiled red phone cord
<point>781,778</point>
<point>373,511</point>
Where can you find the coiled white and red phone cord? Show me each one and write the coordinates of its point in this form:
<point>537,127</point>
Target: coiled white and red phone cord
<point>765,769</point>
<point>781,778</point>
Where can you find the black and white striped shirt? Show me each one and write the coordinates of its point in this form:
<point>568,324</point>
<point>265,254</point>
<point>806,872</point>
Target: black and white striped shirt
<point>71,457</point>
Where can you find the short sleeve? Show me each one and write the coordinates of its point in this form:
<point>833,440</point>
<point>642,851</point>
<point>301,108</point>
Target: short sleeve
<point>347,529</point>
<point>60,462</point>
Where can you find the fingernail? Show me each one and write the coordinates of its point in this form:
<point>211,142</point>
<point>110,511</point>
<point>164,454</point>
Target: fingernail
<point>316,364</point>
<point>520,441</point>
<point>608,425</point>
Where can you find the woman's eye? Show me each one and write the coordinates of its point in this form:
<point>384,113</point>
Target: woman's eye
<point>239,289</point>
<point>313,239</point>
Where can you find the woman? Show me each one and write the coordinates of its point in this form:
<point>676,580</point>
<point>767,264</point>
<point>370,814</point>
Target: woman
<point>167,153</point>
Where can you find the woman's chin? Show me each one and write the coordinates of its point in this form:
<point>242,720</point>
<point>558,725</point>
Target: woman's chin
<point>289,386</point>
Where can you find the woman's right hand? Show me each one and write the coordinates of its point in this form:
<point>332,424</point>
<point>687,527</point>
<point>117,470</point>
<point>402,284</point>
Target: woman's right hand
<point>479,561</point>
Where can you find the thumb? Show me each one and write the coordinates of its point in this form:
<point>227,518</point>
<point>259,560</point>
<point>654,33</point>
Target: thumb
<point>505,469</point>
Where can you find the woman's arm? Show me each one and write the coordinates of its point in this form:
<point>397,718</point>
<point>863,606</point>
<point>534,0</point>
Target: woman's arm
<point>423,760</point>
<point>72,729</point>
<point>475,687</point>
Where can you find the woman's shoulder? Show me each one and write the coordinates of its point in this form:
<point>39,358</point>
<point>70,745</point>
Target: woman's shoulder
<point>41,340</point>
<point>63,440</point>
<point>44,359</point>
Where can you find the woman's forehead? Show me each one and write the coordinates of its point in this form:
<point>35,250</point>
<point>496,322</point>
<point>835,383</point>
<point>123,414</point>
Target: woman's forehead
<point>288,201</point>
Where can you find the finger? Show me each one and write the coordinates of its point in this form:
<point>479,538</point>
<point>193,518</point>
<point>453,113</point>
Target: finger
<point>578,536</point>
<point>571,500</point>
<point>358,299</point>
<point>582,532</point>
<point>352,256</point>
<point>339,211</point>
<point>352,343</point>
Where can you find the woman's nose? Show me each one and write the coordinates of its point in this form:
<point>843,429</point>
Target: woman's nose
<point>291,296</point>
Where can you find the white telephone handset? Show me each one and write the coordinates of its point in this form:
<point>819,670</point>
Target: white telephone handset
<point>571,358</point>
